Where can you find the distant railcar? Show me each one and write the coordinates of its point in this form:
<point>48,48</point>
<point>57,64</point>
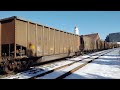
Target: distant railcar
<point>90,42</point>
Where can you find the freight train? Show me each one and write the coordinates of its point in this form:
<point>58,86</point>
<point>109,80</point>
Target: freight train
<point>24,43</point>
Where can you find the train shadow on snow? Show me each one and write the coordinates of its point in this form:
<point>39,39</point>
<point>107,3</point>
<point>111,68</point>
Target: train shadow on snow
<point>56,73</point>
<point>109,60</point>
<point>105,60</point>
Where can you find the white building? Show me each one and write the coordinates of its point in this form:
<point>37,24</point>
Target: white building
<point>76,31</point>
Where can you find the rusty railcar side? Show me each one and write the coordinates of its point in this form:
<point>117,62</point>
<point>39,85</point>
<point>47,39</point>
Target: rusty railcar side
<point>21,33</point>
<point>103,45</point>
<point>21,36</point>
<point>46,40</point>
<point>87,43</point>
<point>64,42</point>
<point>67,43</point>
<point>8,31</point>
<point>56,41</point>
<point>0,42</point>
<point>78,43</point>
<point>74,47</point>
<point>73,42</point>
<point>107,45</point>
<point>61,42</point>
<point>51,41</point>
<point>32,36</point>
<point>25,38</point>
<point>39,37</point>
<point>7,37</point>
<point>25,34</point>
<point>98,44</point>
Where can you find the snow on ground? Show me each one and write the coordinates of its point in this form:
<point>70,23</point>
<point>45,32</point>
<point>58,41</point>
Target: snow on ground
<point>85,56</point>
<point>37,70</point>
<point>59,72</point>
<point>41,69</point>
<point>62,71</point>
<point>105,67</point>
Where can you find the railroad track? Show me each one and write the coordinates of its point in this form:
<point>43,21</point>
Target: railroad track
<point>67,71</point>
<point>36,73</point>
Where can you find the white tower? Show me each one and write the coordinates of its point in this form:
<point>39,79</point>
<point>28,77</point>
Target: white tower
<point>76,31</point>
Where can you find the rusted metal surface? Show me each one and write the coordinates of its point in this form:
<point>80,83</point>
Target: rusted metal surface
<point>36,40</point>
<point>57,41</point>
<point>78,42</point>
<point>0,41</point>
<point>94,37</point>
<point>46,40</point>
<point>98,44</point>
<point>31,36</point>
<point>73,42</point>
<point>75,45</point>
<point>21,33</point>
<point>87,43</point>
<point>39,40</point>
<point>8,32</point>
<point>51,41</point>
<point>69,43</point>
<point>60,48</point>
<point>71,48</point>
<point>61,42</point>
<point>66,43</point>
<point>102,44</point>
<point>65,50</point>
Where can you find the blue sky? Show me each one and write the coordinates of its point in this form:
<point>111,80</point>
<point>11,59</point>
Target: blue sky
<point>102,22</point>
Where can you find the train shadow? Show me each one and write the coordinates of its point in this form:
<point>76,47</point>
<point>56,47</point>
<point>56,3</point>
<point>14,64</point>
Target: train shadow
<point>113,55</point>
<point>103,60</point>
<point>75,76</point>
<point>108,60</point>
<point>87,76</point>
<point>36,71</point>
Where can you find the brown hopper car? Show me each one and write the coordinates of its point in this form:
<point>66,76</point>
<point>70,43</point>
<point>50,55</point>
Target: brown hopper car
<point>25,39</point>
<point>24,43</point>
<point>90,42</point>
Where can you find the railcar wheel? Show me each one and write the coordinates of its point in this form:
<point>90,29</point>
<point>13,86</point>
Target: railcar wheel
<point>24,65</point>
<point>9,67</point>
<point>18,66</point>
